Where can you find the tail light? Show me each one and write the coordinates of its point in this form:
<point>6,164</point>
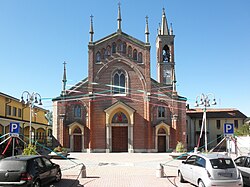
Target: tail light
<point>26,177</point>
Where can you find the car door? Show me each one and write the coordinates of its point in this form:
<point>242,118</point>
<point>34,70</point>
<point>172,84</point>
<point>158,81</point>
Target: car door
<point>198,170</point>
<point>240,162</point>
<point>243,164</point>
<point>246,169</point>
<point>51,169</point>
<point>187,168</point>
<point>42,170</point>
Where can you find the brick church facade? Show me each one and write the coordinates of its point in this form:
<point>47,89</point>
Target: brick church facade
<point>119,107</point>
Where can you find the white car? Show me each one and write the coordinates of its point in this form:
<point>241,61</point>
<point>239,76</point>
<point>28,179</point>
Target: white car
<point>210,169</point>
<point>243,164</point>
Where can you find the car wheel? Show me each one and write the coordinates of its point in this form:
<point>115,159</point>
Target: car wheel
<point>181,179</point>
<point>58,176</point>
<point>201,184</point>
<point>37,184</point>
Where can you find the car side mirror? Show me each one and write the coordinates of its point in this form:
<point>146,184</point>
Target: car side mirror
<point>184,162</point>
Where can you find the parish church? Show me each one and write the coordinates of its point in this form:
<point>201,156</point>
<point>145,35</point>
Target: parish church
<point>118,107</point>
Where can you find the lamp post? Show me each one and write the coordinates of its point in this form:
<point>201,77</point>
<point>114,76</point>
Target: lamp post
<point>31,100</point>
<point>205,102</point>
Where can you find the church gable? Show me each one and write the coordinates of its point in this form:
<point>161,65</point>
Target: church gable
<point>117,60</point>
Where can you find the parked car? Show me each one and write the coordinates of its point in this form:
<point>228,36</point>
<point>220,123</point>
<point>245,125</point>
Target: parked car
<point>207,170</point>
<point>28,171</point>
<point>243,164</point>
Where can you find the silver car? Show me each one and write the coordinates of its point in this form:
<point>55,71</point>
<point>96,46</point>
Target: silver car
<point>207,170</point>
<point>243,164</point>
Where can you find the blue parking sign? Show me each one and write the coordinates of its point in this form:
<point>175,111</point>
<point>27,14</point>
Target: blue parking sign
<point>228,128</point>
<point>14,127</point>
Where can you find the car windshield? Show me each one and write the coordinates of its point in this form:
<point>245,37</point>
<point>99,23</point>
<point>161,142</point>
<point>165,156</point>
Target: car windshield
<point>12,165</point>
<point>222,163</point>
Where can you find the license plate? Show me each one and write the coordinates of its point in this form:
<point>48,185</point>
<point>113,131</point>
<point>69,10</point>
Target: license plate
<point>225,174</point>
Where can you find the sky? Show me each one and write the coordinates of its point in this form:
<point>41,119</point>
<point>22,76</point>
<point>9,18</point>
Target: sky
<point>212,44</point>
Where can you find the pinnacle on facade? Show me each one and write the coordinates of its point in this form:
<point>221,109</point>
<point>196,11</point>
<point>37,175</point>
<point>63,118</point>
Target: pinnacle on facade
<point>147,31</point>
<point>91,30</point>
<point>164,25</point>
<point>64,80</point>
<point>119,19</point>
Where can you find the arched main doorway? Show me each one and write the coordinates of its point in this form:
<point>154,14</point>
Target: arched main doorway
<point>119,128</point>
<point>119,132</point>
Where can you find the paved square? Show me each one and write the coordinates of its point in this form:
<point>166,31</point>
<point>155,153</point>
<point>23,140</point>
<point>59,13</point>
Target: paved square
<point>119,169</point>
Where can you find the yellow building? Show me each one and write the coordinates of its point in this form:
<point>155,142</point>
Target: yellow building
<point>12,110</point>
<point>215,118</point>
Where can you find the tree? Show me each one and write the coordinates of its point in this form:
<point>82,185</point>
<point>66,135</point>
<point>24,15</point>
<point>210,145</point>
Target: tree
<point>49,117</point>
<point>243,130</point>
<point>179,147</point>
<point>30,150</point>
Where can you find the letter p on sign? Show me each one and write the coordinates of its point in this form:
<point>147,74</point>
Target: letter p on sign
<point>14,128</point>
<point>228,128</point>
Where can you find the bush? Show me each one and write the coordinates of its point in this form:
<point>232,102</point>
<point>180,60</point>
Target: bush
<point>180,147</point>
<point>60,149</point>
<point>30,150</point>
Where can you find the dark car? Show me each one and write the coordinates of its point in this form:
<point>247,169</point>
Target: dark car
<point>243,164</point>
<point>28,171</point>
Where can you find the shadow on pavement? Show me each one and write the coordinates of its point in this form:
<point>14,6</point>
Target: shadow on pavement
<point>61,158</point>
<point>67,182</point>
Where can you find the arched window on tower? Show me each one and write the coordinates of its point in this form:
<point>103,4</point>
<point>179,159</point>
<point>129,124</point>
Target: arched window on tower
<point>166,54</point>
<point>98,57</point>
<point>129,51</point>
<point>140,57</point>
<point>135,54</point>
<point>114,47</point>
<point>119,82</point>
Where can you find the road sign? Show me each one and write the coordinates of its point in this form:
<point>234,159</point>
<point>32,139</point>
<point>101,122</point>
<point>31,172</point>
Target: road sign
<point>228,128</point>
<point>14,128</point>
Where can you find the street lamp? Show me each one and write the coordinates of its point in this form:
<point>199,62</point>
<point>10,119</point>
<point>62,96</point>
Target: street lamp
<point>205,102</point>
<point>31,100</point>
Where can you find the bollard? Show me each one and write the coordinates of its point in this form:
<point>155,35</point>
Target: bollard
<point>159,171</point>
<point>83,170</point>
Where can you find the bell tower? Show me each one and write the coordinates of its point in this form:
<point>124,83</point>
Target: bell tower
<point>165,54</point>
